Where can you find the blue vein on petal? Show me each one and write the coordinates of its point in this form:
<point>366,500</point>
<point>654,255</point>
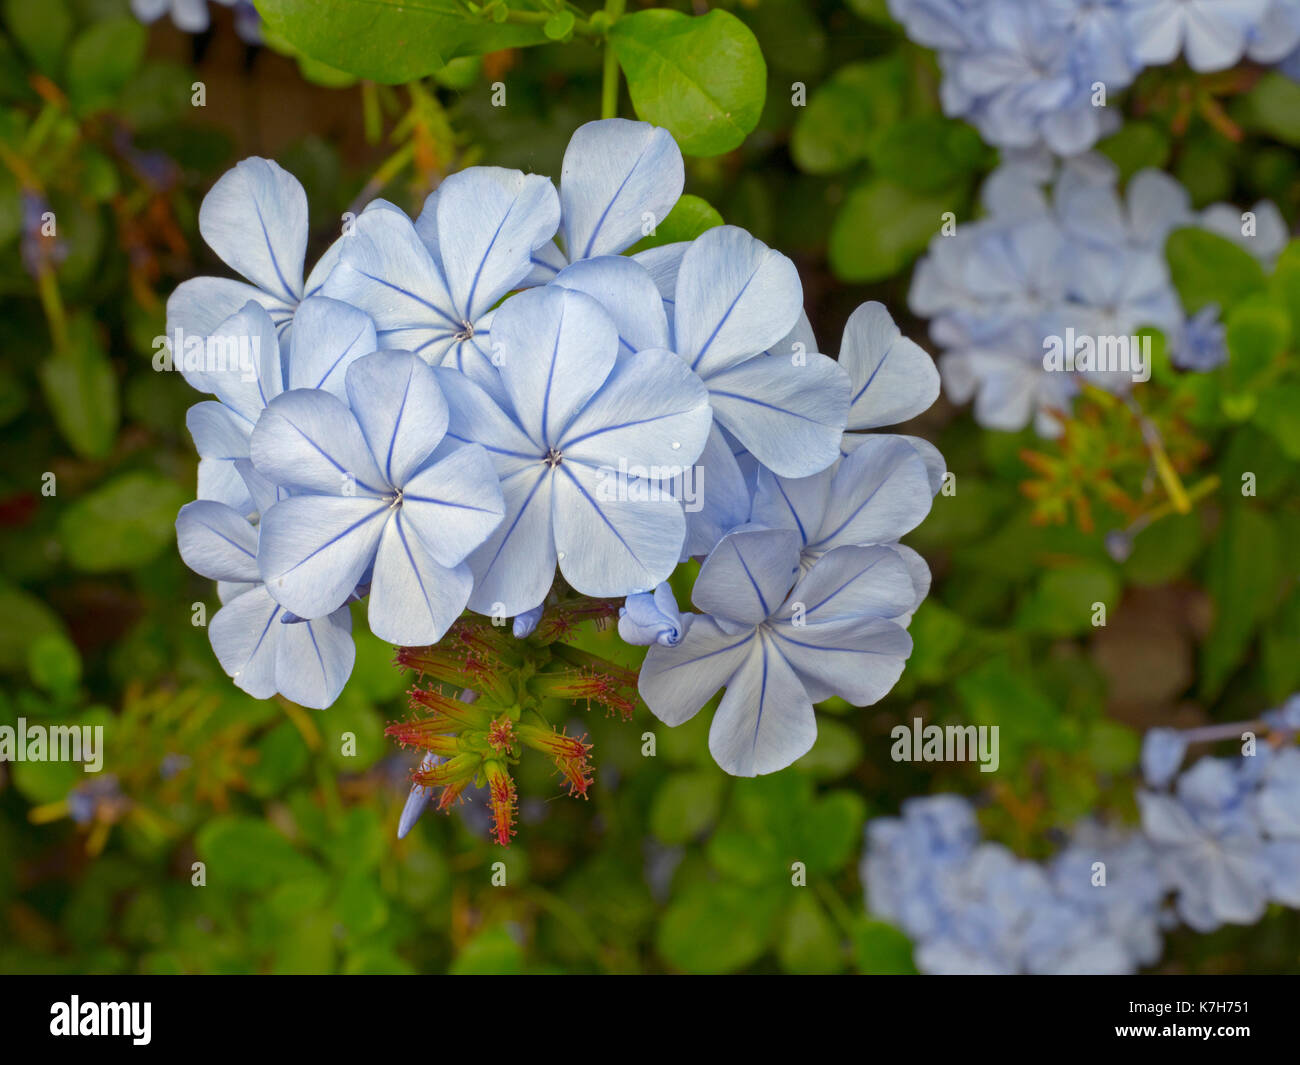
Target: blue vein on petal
<point>586,254</point>
<point>377,512</point>
<point>597,509</point>
<point>334,365</point>
<point>275,263</point>
<point>329,458</point>
<point>723,320</point>
<point>550,380</point>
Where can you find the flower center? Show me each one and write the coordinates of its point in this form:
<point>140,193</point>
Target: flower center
<point>466,331</point>
<point>552,458</point>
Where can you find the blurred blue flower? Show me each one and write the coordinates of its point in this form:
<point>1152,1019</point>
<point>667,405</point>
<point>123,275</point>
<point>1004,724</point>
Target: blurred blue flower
<point>1202,343</point>
<point>778,649</point>
<point>1212,34</point>
<point>1163,750</point>
<point>1209,845</point>
<point>190,16</point>
<point>580,435</point>
<point>1072,256</point>
<point>1276,36</point>
<point>375,500</point>
<point>1268,233</point>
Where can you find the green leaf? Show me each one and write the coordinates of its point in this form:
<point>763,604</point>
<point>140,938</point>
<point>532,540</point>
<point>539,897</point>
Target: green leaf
<point>361,904</point>
<point>1273,107</point>
<point>393,41</point>
<point>247,853</point>
<point>844,114</point>
<point>54,663</point>
<point>24,619</point>
<point>122,524</point>
<point>281,755</point>
<point>881,228</point>
<point>1061,603</point>
<point>700,77</point>
<point>41,30</point>
<point>102,60</point>
<point>880,949</point>
<point>1276,414</point>
<point>1136,146</point>
<point>718,927</point>
<point>1208,268</point>
<point>559,25</point>
<point>81,389</point>
<point>1284,285</point>
<point>686,804</point>
<point>1242,579</point>
<point>1257,334</point>
<point>831,832</point>
<point>493,952</point>
<point>928,154</point>
<point>1279,641</point>
<point>808,942</point>
<point>690,217</point>
<point>835,753</point>
<point>989,690</point>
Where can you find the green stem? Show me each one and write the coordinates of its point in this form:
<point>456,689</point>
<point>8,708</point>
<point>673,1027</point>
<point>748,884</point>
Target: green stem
<point>609,75</point>
<point>52,303</point>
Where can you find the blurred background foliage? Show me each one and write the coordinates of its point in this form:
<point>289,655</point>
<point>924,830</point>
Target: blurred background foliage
<point>671,865</point>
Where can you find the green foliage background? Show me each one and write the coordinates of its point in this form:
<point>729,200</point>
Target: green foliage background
<point>671,865</point>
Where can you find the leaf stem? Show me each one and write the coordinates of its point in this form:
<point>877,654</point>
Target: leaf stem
<point>609,74</point>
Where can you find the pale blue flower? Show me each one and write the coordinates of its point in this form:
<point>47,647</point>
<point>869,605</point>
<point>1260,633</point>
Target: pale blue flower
<point>330,336</point>
<point>525,624</point>
<point>430,286</point>
<point>309,662</point>
<point>255,219</point>
<point>875,495</point>
<point>618,182</point>
<point>777,649</point>
<point>653,617</point>
<point>577,434</point>
<point>735,308</point>
<point>375,500</point>
<point>1212,34</point>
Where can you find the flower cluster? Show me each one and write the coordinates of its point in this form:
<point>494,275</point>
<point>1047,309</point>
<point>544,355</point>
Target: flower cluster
<point>1028,75</point>
<point>447,410</point>
<point>1081,262</point>
<point>1217,849</point>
